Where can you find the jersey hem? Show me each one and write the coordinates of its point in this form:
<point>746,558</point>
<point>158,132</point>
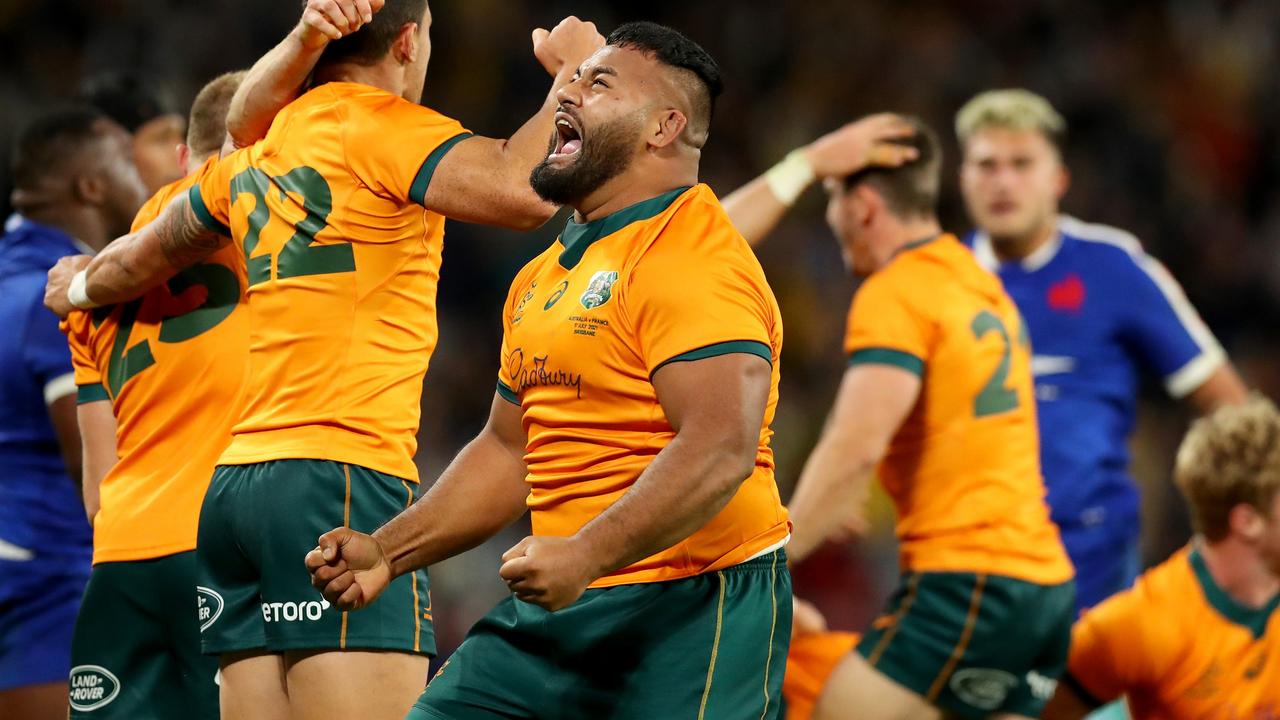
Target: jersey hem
<point>91,393</point>
<point>741,554</point>
<point>307,452</point>
<point>728,347</point>
<point>888,356</point>
<point>205,217</point>
<point>110,555</point>
<point>418,190</point>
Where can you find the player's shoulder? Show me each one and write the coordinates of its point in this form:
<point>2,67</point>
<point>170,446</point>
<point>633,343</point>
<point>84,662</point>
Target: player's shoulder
<point>156,204</point>
<point>687,223</point>
<point>1101,245</point>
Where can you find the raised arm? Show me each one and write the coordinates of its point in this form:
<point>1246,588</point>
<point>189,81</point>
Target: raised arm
<point>486,180</point>
<point>481,492</point>
<point>757,207</point>
<point>133,264</point>
<point>716,407</point>
<point>872,403</point>
<point>277,79</point>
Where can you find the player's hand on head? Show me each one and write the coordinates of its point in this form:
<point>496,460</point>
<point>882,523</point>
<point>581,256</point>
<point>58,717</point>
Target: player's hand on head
<point>326,20</point>
<point>868,142</point>
<point>349,568</point>
<point>551,572</point>
<point>55,291</point>
<point>569,43</point>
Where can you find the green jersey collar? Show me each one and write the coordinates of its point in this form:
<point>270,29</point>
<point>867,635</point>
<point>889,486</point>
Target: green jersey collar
<point>577,237</point>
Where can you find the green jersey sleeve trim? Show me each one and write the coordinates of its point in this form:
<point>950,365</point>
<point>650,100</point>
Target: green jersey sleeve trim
<point>888,356</point>
<point>418,190</point>
<point>91,393</point>
<point>749,347</point>
<point>205,217</point>
<point>508,394</point>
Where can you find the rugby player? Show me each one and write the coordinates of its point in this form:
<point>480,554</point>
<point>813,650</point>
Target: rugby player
<point>1101,313</point>
<point>151,438</point>
<point>637,384</point>
<point>1196,637</point>
<point>75,188</point>
<point>342,263</point>
<point>937,398</point>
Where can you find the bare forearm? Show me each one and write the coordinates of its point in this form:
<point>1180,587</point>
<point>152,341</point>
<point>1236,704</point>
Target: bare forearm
<point>686,485</point>
<point>830,487</point>
<point>755,210</point>
<point>482,491</point>
<point>273,82</point>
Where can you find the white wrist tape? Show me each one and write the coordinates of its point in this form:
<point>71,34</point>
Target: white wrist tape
<point>77,294</point>
<point>790,177</point>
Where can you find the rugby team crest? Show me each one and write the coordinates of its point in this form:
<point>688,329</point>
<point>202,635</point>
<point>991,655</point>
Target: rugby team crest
<point>599,290</point>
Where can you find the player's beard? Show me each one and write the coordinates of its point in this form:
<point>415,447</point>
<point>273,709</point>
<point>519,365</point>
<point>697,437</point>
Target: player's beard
<point>606,155</point>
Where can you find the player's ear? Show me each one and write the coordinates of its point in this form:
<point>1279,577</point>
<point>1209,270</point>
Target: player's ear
<point>1063,180</point>
<point>89,188</point>
<point>671,123</point>
<point>1246,522</point>
<point>405,47</point>
<point>866,204</point>
<point>184,157</point>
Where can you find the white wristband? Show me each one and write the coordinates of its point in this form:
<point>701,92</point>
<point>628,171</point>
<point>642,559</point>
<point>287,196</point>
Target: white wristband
<point>77,294</point>
<point>790,177</point>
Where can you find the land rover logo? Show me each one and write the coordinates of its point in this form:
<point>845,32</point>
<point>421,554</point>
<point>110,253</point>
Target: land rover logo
<point>210,606</point>
<point>92,686</point>
<point>983,688</point>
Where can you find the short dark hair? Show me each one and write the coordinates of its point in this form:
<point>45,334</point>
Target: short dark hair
<point>124,98</point>
<point>207,126</point>
<point>51,140</point>
<point>672,48</point>
<point>372,42</point>
<point>910,190</point>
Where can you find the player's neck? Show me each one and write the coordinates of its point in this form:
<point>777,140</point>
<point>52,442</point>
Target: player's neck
<point>1018,249</point>
<point>383,76</point>
<point>630,188</point>
<point>80,223</point>
<point>1240,572</point>
<point>908,233</point>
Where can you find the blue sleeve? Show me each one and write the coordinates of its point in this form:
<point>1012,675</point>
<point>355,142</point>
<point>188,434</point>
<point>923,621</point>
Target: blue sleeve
<point>1163,329</point>
<point>44,348</point>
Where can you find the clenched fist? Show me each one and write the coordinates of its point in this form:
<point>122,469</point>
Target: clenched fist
<point>325,20</point>
<point>55,292</point>
<point>567,44</point>
<point>349,568</point>
<point>551,572</point>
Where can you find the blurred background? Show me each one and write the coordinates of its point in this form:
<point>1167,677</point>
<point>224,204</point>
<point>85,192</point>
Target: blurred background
<point>1174,114</point>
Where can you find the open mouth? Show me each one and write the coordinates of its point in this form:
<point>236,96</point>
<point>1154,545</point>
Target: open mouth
<point>568,136</point>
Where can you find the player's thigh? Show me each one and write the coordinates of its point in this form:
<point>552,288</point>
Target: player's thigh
<point>309,498</point>
<point>39,600</point>
<point>722,653</point>
<point>855,689</point>
<point>228,546</point>
<point>47,701</point>
<point>136,653</point>
<point>253,686</point>
<point>340,685</point>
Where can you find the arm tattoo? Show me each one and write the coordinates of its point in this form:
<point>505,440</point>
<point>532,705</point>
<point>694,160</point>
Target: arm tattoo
<point>184,240</point>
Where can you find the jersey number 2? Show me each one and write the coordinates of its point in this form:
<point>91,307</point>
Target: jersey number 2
<point>300,256</point>
<point>994,398</point>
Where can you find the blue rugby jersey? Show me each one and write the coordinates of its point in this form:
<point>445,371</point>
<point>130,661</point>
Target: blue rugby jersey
<point>41,514</point>
<point>1100,311</point>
